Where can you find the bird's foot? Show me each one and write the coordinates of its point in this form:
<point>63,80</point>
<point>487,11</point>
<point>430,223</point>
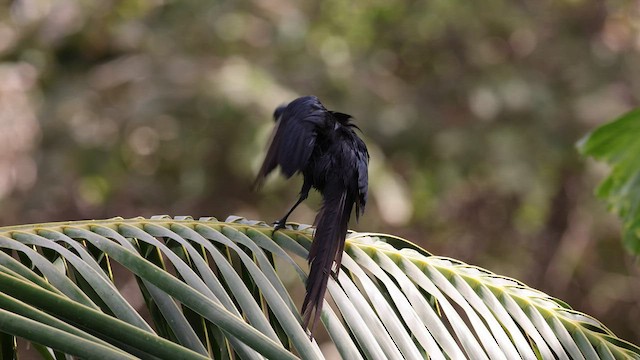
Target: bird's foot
<point>279,224</point>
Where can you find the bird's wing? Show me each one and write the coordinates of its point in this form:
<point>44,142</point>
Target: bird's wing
<point>362,168</point>
<point>363,183</point>
<point>270,160</point>
<point>294,137</point>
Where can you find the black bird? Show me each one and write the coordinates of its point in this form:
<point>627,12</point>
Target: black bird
<point>325,148</point>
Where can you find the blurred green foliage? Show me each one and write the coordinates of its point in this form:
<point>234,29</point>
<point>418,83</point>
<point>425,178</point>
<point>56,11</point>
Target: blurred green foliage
<point>470,111</point>
<point>617,143</point>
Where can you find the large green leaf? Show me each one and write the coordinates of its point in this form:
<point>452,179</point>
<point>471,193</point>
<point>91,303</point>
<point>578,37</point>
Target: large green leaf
<point>618,144</point>
<point>213,289</point>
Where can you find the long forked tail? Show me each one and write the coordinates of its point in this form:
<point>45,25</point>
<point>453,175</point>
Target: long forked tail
<point>328,244</point>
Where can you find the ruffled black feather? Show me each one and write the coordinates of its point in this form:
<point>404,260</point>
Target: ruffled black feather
<point>324,147</point>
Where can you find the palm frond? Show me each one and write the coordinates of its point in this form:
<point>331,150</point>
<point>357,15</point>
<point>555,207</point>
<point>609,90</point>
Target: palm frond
<point>214,289</point>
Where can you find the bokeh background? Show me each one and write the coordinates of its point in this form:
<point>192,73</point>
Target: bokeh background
<point>471,111</point>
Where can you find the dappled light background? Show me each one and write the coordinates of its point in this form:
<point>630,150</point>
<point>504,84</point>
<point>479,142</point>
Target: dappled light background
<point>471,112</point>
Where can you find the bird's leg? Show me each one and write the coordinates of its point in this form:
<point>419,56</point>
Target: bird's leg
<point>279,224</point>
<point>304,193</point>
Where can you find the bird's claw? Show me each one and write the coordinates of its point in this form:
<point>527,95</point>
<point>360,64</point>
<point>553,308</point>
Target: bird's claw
<point>279,224</point>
